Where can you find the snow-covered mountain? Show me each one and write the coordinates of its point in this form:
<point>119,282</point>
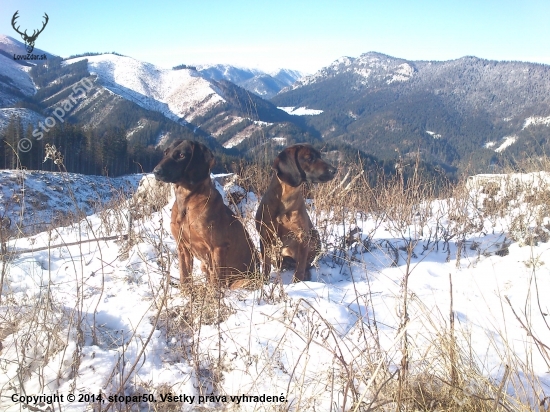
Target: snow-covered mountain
<point>192,103</point>
<point>217,107</point>
<point>448,110</point>
<point>287,76</point>
<point>183,94</point>
<point>371,68</point>
<point>13,46</point>
<point>256,81</point>
<point>15,81</point>
<point>178,94</point>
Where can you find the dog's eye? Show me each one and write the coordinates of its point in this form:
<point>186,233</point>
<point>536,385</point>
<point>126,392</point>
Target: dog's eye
<point>182,155</point>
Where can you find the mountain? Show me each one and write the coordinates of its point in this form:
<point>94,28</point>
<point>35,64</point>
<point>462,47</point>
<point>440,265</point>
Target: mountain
<point>456,112</point>
<point>218,108</point>
<point>15,81</point>
<point>153,105</point>
<point>263,84</point>
<point>287,76</point>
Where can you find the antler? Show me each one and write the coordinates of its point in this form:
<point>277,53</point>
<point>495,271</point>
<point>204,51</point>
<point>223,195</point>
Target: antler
<point>13,19</point>
<point>35,33</point>
<point>43,25</point>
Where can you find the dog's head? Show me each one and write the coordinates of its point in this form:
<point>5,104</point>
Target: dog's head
<point>302,163</point>
<point>185,162</point>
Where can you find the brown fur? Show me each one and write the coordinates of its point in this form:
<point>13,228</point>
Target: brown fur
<point>282,215</point>
<point>201,223</point>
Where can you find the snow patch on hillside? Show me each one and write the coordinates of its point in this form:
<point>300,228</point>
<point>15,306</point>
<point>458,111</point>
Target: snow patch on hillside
<point>300,111</point>
<point>536,121</point>
<point>27,116</point>
<point>403,73</point>
<point>507,142</point>
<point>434,134</point>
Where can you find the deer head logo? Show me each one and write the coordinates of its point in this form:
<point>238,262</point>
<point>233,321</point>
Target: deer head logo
<point>29,40</point>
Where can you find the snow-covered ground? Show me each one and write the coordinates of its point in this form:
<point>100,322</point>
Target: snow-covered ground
<point>99,317</point>
<point>32,200</point>
<point>26,116</point>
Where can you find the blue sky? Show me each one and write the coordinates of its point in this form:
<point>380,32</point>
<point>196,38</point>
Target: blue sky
<point>302,35</point>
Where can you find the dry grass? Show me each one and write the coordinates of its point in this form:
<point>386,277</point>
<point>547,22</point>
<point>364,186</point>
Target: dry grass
<point>441,374</point>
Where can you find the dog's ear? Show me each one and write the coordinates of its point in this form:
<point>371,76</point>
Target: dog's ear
<point>286,167</point>
<point>208,156</point>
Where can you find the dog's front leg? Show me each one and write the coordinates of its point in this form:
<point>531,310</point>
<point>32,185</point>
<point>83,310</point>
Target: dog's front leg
<point>219,273</point>
<point>301,272</point>
<point>266,260</point>
<point>185,259</point>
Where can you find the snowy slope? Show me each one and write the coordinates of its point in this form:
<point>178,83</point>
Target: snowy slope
<point>33,200</point>
<point>287,76</point>
<point>27,116</point>
<point>14,77</point>
<point>17,74</point>
<point>15,46</point>
<point>178,94</point>
<point>372,67</point>
<point>130,333</point>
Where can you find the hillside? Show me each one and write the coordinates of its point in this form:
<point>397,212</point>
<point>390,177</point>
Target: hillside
<point>151,106</point>
<point>455,112</point>
<point>466,114</point>
<point>101,309</point>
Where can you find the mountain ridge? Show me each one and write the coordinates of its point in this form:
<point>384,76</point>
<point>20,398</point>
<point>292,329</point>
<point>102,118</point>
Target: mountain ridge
<point>390,104</point>
<point>264,84</point>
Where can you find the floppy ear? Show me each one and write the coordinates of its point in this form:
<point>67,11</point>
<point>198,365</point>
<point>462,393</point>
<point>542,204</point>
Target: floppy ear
<point>287,169</point>
<point>208,156</point>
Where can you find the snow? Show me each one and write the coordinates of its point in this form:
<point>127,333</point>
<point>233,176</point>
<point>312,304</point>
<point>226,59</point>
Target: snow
<point>15,46</point>
<point>14,75</point>
<point>536,121</point>
<point>300,111</point>
<point>369,67</point>
<point>281,141</point>
<point>403,73</point>
<point>51,196</point>
<point>234,141</point>
<point>138,331</point>
<point>175,93</point>
<point>433,134</point>
<point>27,116</point>
<point>508,141</point>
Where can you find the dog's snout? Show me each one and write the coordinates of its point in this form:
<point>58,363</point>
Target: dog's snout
<point>158,172</point>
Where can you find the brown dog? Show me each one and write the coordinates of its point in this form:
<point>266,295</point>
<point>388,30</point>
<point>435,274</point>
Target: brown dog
<point>282,213</point>
<point>202,224</point>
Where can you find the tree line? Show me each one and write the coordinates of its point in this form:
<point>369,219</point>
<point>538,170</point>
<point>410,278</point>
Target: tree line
<point>86,151</point>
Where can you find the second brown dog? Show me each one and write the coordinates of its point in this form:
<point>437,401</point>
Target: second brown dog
<point>282,214</point>
<point>201,223</point>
